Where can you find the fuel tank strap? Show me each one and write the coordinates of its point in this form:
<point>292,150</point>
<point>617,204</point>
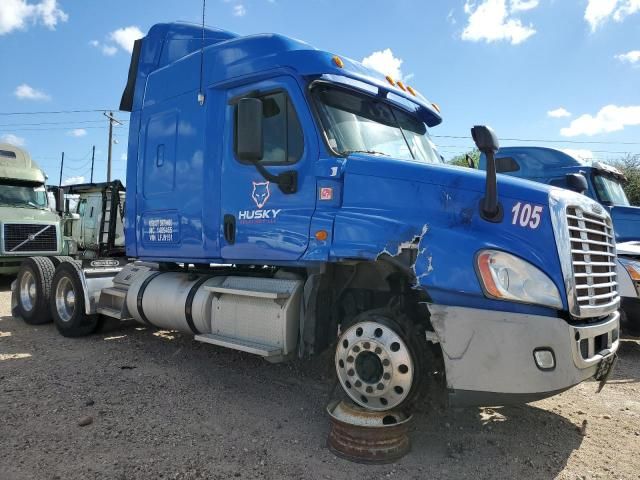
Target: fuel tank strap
<point>188,306</point>
<point>143,287</point>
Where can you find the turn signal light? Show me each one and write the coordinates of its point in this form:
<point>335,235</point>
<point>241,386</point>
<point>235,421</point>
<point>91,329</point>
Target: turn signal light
<point>411,91</point>
<point>401,86</point>
<point>391,80</point>
<point>338,61</point>
<point>436,106</point>
<point>322,235</point>
<point>484,261</point>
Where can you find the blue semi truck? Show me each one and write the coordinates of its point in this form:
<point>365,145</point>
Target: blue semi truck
<point>284,201</point>
<point>600,182</point>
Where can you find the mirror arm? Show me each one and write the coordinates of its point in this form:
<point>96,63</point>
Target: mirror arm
<point>286,181</point>
<point>491,210</point>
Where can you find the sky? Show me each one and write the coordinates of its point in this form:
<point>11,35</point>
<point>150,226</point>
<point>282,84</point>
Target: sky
<point>565,73</point>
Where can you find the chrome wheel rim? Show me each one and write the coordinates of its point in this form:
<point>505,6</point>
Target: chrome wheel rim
<point>374,366</point>
<point>28,291</point>
<point>65,299</point>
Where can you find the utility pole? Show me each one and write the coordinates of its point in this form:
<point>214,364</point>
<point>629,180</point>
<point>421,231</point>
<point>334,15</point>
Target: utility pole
<point>112,120</point>
<point>61,167</point>
<point>93,157</point>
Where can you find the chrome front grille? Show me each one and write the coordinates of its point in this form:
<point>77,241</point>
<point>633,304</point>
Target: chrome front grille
<point>587,250</point>
<point>593,254</point>
<point>20,238</point>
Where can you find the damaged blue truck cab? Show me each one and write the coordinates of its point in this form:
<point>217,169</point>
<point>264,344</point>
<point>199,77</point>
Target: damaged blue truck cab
<point>282,200</point>
<point>603,184</point>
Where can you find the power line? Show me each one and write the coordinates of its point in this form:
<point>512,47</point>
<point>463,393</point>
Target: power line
<point>50,128</point>
<point>56,112</point>
<point>72,122</point>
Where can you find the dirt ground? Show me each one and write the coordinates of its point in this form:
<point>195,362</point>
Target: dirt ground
<point>166,407</point>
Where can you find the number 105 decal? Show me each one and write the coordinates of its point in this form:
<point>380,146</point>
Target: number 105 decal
<point>527,215</point>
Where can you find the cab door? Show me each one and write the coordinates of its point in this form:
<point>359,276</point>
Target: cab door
<point>260,220</point>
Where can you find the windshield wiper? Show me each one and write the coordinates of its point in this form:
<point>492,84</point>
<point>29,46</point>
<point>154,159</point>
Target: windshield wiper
<point>370,152</point>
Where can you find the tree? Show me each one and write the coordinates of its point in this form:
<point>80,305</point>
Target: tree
<point>630,166</point>
<point>461,160</point>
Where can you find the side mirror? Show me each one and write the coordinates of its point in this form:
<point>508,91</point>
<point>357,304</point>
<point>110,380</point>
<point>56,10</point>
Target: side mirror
<point>470,162</point>
<point>60,201</point>
<point>249,145</point>
<point>485,139</point>
<point>487,142</point>
<point>577,182</point>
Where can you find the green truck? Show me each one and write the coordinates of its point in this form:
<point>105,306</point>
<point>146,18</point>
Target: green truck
<point>28,224</point>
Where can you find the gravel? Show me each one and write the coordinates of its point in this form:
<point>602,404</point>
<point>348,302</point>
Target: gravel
<point>158,405</point>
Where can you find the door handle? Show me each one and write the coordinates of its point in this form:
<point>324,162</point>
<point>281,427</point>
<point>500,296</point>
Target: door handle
<point>230,229</point>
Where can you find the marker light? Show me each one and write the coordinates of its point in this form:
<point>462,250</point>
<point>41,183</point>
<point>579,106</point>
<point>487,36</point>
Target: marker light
<point>411,91</point>
<point>506,277</point>
<point>322,235</point>
<point>338,61</point>
<point>390,80</point>
<point>436,106</point>
<point>401,86</point>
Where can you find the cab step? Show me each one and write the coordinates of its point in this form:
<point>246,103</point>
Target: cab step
<point>240,344</point>
<point>112,303</point>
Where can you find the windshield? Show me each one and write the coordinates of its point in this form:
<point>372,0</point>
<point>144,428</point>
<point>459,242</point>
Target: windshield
<point>610,190</point>
<point>355,122</point>
<point>23,196</point>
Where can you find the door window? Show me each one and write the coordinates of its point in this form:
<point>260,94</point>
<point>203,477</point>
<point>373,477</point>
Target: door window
<point>283,141</point>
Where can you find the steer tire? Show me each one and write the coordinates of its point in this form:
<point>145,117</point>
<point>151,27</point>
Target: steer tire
<point>34,308</point>
<point>68,310</point>
<point>416,348</point>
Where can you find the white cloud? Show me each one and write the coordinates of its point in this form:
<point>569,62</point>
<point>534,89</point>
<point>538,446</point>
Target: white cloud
<point>599,11</point>
<point>106,49</point>
<point>451,17</point>
<point>610,118</point>
<point>384,62</point>
<point>124,37</point>
<point>17,14</point>
<point>74,180</point>
<point>109,50</point>
<point>78,132</point>
<point>491,21</point>
<point>12,139</point>
<point>631,57</point>
<point>523,5</point>
<point>239,10</point>
<point>27,92</point>
<point>579,153</point>
<point>559,113</point>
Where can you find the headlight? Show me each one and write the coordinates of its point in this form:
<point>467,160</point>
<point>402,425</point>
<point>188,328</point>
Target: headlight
<point>633,268</point>
<point>506,277</point>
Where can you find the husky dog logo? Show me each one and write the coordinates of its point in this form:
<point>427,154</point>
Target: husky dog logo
<point>260,193</point>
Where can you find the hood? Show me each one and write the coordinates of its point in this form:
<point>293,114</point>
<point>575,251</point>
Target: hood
<point>448,176</point>
<point>26,215</point>
<point>626,223</point>
<point>389,203</point>
<point>628,249</point>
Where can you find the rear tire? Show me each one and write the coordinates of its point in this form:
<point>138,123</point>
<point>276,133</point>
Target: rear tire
<point>381,362</point>
<point>67,303</point>
<point>33,290</point>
